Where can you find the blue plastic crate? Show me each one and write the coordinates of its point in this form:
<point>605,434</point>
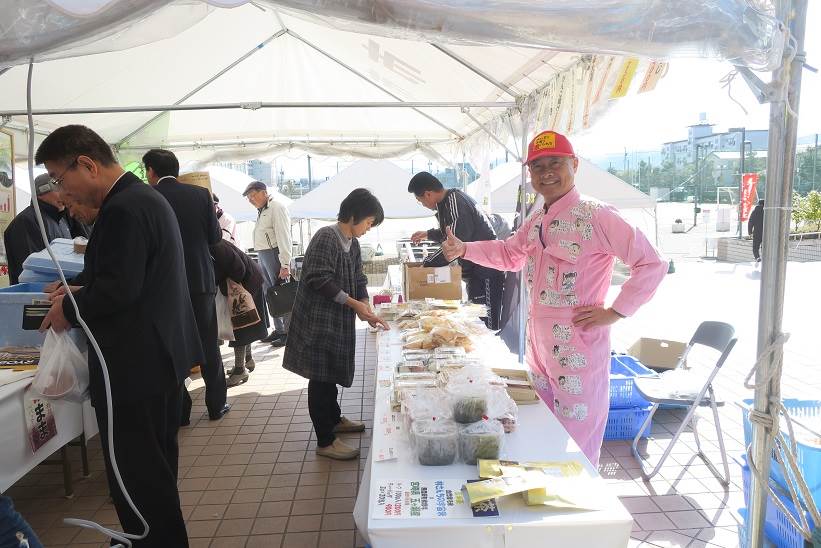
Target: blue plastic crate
<point>623,370</point>
<point>807,455</point>
<point>624,424</point>
<point>777,526</point>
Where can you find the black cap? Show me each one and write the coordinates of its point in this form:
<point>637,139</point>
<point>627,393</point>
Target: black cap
<point>256,185</point>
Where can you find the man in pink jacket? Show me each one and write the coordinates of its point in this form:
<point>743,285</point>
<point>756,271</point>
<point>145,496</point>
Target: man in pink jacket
<point>568,247</point>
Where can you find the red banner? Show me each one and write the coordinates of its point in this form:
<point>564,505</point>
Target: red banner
<point>749,181</point>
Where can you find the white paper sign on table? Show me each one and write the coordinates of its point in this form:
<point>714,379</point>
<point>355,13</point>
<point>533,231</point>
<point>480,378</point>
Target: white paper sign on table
<point>425,499</point>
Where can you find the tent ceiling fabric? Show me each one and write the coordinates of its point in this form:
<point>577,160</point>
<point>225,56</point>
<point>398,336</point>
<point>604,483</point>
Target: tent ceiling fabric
<point>331,57</point>
<point>741,31</point>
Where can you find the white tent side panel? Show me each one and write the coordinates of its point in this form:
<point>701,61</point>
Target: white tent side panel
<point>387,181</point>
<point>591,180</point>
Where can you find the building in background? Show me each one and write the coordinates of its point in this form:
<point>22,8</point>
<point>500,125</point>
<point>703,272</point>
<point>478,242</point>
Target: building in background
<point>701,138</point>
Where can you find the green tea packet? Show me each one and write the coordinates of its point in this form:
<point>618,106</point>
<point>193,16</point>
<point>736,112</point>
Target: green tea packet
<point>496,468</point>
<point>505,485</point>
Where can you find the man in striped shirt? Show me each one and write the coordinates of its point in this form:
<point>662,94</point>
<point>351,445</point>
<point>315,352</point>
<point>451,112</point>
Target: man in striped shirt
<point>457,210</point>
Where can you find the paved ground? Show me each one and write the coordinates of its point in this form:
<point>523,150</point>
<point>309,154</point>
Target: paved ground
<point>252,479</point>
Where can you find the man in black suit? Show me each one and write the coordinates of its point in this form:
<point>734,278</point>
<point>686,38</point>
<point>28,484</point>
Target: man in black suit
<point>135,301</point>
<point>199,229</point>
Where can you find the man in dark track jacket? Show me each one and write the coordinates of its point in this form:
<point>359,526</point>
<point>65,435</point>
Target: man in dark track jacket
<point>459,211</point>
<point>135,301</point>
<point>199,229</point>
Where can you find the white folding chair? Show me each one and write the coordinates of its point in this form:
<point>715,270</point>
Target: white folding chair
<point>717,335</point>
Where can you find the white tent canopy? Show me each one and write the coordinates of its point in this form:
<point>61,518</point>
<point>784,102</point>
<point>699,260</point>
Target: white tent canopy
<point>245,68</point>
<point>590,180</point>
<point>387,181</point>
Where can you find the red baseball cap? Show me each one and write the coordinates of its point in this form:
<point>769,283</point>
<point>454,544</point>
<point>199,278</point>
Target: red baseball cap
<point>549,143</point>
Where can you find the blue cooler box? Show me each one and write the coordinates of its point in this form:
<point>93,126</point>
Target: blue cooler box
<point>12,333</point>
<point>41,263</point>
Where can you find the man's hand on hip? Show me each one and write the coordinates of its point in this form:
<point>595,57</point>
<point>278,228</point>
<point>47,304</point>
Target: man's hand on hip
<point>594,316</point>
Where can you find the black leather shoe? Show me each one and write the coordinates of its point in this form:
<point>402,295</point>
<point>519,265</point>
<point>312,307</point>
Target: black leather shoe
<point>222,412</point>
<point>272,337</point>
<point>279,342</point>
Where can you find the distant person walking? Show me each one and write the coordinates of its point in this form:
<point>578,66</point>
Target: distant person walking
<point>755,228</point>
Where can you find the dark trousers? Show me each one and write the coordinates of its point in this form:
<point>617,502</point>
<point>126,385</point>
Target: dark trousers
<point>488,291</point>
<point>756,245</point>
<point>14,529</point>
<point>213,372</point>
<point>145,442</point>
<point>324,410</point>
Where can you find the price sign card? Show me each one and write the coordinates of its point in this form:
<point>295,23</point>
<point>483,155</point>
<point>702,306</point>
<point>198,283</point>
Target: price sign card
<point>411,499</point>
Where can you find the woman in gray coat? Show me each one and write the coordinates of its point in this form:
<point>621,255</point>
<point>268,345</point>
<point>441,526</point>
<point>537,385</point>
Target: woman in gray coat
<point>322,338</point>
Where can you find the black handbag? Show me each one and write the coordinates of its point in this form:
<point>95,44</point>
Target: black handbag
<point>280,298</point>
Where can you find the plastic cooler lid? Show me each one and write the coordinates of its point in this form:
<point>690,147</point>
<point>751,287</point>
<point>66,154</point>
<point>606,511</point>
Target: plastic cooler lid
<point>63,248</point>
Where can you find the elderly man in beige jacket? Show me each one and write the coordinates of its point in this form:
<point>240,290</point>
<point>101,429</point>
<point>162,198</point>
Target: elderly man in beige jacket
<point>272,242</point>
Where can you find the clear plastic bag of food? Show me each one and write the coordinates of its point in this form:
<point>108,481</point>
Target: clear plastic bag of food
<point>502,408</point>
<point>424,404</point>
<point>481,440</point>
<point>436,441</point>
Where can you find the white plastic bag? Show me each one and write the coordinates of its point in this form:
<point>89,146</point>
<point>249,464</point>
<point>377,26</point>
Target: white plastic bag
<point>63,370</point>
<point>225,331</point>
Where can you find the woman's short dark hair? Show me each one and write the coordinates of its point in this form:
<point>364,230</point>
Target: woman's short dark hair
<point>424,181</point>
<point>359,205</point>
<point>66,143</point>
<point>163,162</point>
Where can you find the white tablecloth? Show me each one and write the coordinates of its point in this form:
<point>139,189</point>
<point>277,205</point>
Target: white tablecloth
<point>16,458</point>
<point>539,436</point>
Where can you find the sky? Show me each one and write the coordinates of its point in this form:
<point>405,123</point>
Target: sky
<point>643,122</point>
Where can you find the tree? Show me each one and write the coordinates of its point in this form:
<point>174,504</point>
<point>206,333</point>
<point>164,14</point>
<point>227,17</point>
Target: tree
<point>812,209</point>
<point>797,212</point>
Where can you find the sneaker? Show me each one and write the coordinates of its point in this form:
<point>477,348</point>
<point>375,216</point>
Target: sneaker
<point>347,425</point>
<point>236,378</point>
<point>338,450</point>
<point>250,365</point>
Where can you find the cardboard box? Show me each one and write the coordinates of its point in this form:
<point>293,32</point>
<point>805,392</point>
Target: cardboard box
<point>657,354</point>
<point>196,178</point>
<point>422,282</point>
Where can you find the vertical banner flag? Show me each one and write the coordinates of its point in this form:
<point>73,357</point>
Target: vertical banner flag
<point>749,181</point>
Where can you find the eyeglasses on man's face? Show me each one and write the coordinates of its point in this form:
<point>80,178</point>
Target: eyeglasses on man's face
<point>58,181</point>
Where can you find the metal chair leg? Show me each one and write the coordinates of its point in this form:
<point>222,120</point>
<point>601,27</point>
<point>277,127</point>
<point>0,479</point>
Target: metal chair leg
<point>724,479</point>
<point>635,445</point>
<point>684,423</point>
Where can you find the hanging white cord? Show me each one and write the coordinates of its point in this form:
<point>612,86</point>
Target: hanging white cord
<point>124,538</point>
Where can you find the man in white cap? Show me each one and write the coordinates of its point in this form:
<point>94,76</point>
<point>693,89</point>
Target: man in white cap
<point>272,242</point>
<point>22,237</point>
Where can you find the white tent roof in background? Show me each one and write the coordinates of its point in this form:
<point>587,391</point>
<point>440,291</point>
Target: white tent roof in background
<point>22,187</point>
<point>229,184</point>
<point>590,180</point>
<point>387,181</point>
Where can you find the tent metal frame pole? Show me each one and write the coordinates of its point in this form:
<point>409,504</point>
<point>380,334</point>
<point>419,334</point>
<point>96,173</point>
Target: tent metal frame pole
<point>522,216</point>
<point>483,127</point>
<point>370,81</point>
<point>476,70</point>
<point>781,160</point>
<point>254,142</point>
<point>207,82</point>
<point>251,105</point>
